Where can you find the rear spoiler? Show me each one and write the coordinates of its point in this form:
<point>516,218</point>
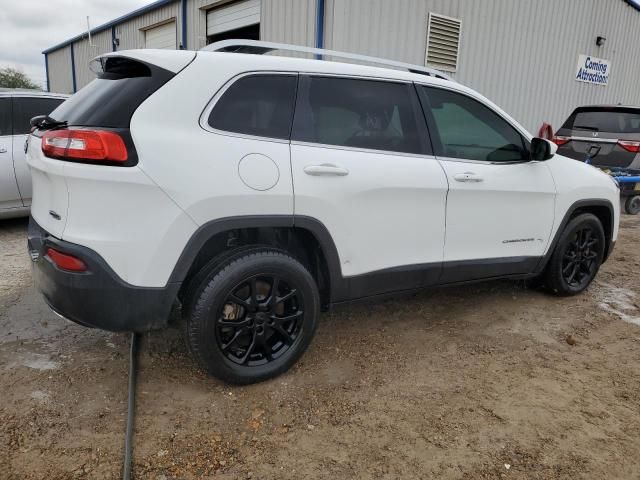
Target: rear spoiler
<point>171,60</point>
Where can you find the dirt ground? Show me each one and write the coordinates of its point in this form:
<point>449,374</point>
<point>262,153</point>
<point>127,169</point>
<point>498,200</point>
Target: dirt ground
<point>481,382</point>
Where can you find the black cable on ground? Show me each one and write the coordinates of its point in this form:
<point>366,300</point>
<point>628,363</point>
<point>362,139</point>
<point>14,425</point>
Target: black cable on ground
<point>128,439</point>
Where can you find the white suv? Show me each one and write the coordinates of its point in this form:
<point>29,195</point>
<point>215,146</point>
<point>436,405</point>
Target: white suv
<point>253,190</point>
<point>17,107</point>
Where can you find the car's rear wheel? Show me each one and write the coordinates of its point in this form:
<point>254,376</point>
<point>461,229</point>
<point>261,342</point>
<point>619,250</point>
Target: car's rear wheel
<point>252,317</point>
<point>632,205</point>
<point>577,256</point>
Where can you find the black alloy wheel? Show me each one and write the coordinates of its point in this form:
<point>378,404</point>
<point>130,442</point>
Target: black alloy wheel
<point>580,259</point>
<point>259,321</point>
<point>250,316</point>
<point>577,256</point>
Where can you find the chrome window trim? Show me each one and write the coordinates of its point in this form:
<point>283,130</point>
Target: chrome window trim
<point>482,162</point>
<point>362,150</point>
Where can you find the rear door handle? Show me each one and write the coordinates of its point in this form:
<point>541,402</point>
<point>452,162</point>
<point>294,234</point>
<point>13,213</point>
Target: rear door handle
<point>3,150</point>
<point>326,169</point>
<point>468,177</point>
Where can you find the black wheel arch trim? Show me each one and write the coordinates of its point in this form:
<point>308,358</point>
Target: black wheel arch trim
<point>208,230</point>
<point>580,204</point>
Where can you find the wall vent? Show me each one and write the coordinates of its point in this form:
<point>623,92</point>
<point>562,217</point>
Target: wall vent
<point>443,42</point>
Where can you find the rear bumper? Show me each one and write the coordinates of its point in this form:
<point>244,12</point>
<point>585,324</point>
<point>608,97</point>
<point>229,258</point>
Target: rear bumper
<point>98,297</point>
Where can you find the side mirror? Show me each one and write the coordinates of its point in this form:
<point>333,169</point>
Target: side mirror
<point>542,149</point>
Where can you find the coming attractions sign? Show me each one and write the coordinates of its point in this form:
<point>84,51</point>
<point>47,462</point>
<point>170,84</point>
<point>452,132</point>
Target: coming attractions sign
<point>593,70</point>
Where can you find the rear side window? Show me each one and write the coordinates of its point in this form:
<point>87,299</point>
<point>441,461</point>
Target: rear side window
<point>24,109</point>
<point>602,120</point>
<point>260,105</point>
<point>5,116</point>
<point>357,113</point>
<point>110,100</point>
<point>467,129</point>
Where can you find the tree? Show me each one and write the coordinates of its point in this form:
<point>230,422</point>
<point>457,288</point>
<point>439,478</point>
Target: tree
<point>12,78</point>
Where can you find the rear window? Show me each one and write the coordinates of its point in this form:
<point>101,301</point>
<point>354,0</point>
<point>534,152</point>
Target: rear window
<point>599,120</point>
<point>110,100</point>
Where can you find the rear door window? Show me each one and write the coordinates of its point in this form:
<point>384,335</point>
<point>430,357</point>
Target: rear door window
<point>25,108</point>
<point>467,129</point>
<point>359,113</point>
<point>259,105</point>
<point>601,120</point>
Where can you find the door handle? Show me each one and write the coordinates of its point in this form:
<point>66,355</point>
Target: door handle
<point>326,169</point>
<point>468,177</point>
<point>3,150</point>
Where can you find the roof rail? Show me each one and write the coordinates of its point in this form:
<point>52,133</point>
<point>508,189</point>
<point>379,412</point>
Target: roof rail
<point>260,48</point>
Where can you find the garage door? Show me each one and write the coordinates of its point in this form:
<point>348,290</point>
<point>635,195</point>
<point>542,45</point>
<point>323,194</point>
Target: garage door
<point>236,15</point>
<point>162,36</point>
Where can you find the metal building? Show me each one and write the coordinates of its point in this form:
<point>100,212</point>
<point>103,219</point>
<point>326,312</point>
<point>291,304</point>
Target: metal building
<point>538,59</point>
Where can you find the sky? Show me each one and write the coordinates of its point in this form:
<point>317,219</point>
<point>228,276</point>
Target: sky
<point>27,27</point>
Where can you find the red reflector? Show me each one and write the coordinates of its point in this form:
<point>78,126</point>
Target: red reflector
<point>629,146</point>
<point>90,145</point>
<point>65,261</point>
<point>559,140</point>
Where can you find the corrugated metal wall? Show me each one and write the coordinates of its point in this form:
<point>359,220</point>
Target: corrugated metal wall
<point>84,53</point>
<point>288,21</point>
<point>197,22</point>
<point>131,32</point>
<point>522,54</point>
<point>59,61</point>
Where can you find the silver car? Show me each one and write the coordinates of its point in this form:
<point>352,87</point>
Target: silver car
<point>17,107</point>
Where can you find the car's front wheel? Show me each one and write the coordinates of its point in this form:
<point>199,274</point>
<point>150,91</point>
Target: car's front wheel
<point>577,256</point>
<point>253,316</point>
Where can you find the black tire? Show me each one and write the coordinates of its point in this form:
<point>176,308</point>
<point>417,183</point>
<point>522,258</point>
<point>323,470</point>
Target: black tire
<point>632,205</point>
<point>242,331</point>
<point>577,256</point>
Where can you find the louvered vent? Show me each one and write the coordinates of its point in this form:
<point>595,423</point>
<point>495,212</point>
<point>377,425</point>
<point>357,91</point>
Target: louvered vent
<point>443,42</point>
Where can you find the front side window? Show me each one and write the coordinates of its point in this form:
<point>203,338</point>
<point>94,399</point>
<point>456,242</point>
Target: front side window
<point>24,109</point>
<point>260,105</point>
<point>469,130</point>
<point>356,113</point>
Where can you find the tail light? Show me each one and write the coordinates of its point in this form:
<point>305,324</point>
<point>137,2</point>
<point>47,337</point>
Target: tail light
<point>65,261</point>
<point>84,145</point>
<point>560,140</point>
<point>629,146</point>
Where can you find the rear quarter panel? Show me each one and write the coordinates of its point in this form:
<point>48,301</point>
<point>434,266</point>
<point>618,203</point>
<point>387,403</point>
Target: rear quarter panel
<point>197,168</point>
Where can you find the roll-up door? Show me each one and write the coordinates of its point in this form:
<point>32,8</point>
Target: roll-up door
<point>162,36</point>
<point>237,15</point>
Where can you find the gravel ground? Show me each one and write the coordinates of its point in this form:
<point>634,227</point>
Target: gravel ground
<point>487,381</point>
